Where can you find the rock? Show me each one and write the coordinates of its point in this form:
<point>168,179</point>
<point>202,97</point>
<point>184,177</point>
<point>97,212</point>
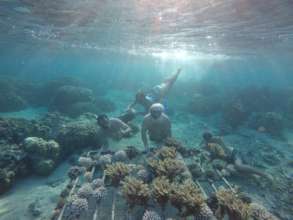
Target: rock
<point>120,155</point>
<point>79,134</point>
<point>66,96</point>
<point>34,208</point>
<point>44,167</point>
<point>41,148</point>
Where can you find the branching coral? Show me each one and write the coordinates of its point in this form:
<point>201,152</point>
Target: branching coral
<point>99,194</point>
<point>230,203</point>
<point>168,167</point>
<point>116,172</point>
<point>187,198</point>
<point>167,152</point>
<point>75,208</point>
<point>161,190</point>
<point>257,211</point>
<point>151,215</point>
<point>135,191</point>
<point>85,191</point>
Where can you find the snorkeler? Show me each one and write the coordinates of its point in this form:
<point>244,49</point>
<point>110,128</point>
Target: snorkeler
<point>218,150</point>
<point>156,124</point>
<point>156,95</point>
<point>113,127</point>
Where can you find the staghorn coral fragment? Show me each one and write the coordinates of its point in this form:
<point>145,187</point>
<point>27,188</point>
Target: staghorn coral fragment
<point>116,172</point>
<point>135,191</point>
<point>167,152</point>
<point>168,167</point>
<point>231,204</point>
<point>161,188</point>
<point>99,194</point>
<point>187,198</point>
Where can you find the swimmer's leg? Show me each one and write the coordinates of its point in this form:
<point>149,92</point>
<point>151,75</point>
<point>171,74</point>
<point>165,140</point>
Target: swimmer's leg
<point>167,84</point>
<point>242,168</point>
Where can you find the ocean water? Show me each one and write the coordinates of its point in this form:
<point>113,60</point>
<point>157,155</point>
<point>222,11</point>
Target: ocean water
<point>64,62</point>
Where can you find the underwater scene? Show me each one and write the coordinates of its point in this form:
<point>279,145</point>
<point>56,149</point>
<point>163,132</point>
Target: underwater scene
<point>146,110</point>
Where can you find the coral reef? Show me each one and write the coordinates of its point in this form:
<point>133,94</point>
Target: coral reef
<point>187,198</point>
<point>116,172</point>
<point>99,194</point>
<point>86,162</point>
<point>166,152</point>
<point>185,152</point>
<point>66,96</point>
<point>230,203</point>
<point>105,159</point>
<point>143,175</point>
<point>41,148</point>
<point>135,191</point>
<point>161,187</point>
<point>85,191</point>
<point>170,168</point>
<point>78,134</point>
<point>13,164</point>
<point>97,183</point>
<point>14,130</point>
<point>10,100</point>
<point>44,167</point>
<point>75,208</point>
<point>257,211</point>
<point>43,154</point>
<point>151,215</point>
<point>120,155</point>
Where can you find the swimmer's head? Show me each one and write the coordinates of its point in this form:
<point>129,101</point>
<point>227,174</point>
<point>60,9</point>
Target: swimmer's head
<point>103,121</point>
<point>207,136</point>
<point>140,96</point>
<point>156,110</point>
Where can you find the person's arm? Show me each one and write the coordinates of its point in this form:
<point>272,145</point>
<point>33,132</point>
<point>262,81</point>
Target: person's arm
<point>124,128</point>
<point>144,135</point>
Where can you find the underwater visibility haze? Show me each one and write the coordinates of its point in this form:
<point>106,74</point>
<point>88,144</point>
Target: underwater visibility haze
<point>146,109</point>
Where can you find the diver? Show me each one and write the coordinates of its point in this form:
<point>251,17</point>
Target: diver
<point>112,128</point>
<point>155,95</point>
<point>156,124</point>
<point>218,150</point>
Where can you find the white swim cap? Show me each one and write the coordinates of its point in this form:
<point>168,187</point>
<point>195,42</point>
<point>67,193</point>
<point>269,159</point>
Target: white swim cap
<point>157,107</point>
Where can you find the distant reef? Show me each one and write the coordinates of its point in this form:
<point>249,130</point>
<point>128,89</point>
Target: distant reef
<point>65,95</point>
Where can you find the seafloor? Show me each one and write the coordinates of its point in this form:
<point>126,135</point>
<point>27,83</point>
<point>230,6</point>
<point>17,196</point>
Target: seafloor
<point>258,149</point>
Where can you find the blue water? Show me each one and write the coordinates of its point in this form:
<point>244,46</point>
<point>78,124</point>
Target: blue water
<point>228,50</point>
